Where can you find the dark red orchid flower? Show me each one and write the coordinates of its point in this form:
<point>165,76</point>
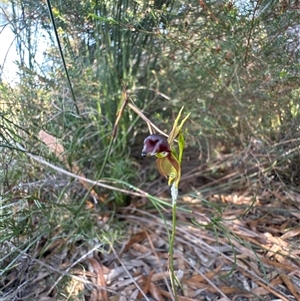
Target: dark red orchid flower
<point>155,144</point>
<point>168,162</point>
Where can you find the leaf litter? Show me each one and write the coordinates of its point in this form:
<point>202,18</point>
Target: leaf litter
<point>238,241</point>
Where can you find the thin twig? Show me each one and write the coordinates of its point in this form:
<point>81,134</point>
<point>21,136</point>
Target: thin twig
<point>41,160</point>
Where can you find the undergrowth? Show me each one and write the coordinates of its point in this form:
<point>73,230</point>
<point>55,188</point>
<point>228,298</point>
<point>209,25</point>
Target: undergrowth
<point>77,201</point>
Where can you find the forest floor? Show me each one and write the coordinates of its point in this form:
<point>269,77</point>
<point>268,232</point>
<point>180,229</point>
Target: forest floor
<point>239,240</point>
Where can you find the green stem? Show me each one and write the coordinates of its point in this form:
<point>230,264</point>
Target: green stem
<point>173,278</point>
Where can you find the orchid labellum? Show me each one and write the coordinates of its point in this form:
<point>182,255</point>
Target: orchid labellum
<point>168,163</point>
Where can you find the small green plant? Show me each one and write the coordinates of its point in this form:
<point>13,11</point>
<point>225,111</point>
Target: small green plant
<point>169,165</point>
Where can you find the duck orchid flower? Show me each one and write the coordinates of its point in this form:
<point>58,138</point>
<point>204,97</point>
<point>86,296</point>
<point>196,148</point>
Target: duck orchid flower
<point>168,162</point>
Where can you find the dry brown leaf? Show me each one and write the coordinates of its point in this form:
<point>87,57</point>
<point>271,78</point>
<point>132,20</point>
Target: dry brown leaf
<point>58,149</point>
<point>141,248</point>
<point>260,291</point>
<point>199,278</point>
<point>289,284</point>
<point>291,233</point>
<point>225,290</point>
<point>241,229</point>
<point>283,266</point>
<point>266,287</point>
<point>100,281</point>
<point>276,240</point>
<point>246,264</point>
<point>180,298</point>
<point>276,281</point>
<point>146,286</point>
<point>160,276</point>
<point>155,292</point>
<point>281,252</point>
<point>241,295</point>
<point>211,289</point>
<point>284,226</point>
<point>136,238</point>
<point>53,144</point>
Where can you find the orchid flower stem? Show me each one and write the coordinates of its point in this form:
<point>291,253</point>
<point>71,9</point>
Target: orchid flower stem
<point>168,163</point>
<point>174,280</point>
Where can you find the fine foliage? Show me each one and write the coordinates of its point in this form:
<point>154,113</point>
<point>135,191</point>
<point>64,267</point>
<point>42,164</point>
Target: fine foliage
<point>92,79</point>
